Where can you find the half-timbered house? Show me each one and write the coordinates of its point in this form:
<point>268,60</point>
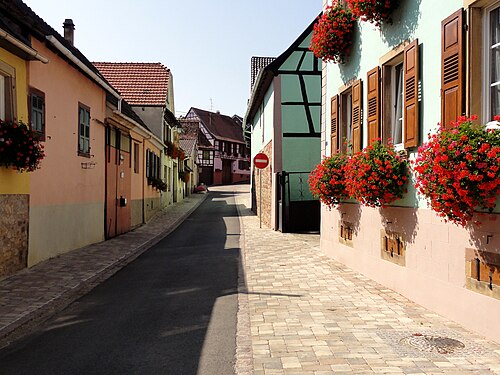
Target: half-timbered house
<point>284,117</point>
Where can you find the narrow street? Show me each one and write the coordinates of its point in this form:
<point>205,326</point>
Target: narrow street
<point>172,311</point>
<point>217,298</point>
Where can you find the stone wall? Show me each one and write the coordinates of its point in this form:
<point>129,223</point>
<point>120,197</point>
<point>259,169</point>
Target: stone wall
<point>266,175</point>
<point>14,219</point>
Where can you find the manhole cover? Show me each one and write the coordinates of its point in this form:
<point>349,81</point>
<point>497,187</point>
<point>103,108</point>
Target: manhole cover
<point>436,344</point>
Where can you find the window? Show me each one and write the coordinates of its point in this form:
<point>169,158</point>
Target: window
<point>492,43</point>
<point>206,155</point>
<point>153,167</point>
<point>84,130</point>
<point>243,165</point>
<point>392,89</point>
<point>346,120</point>
<point>7,92</point>
<point>136,157</point>
<point>37,111</point>
<point>393,110</point>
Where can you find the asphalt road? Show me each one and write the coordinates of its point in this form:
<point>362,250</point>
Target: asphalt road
<point>172,311</point>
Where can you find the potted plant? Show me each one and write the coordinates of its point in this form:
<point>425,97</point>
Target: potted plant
<point>326,181</point>
<point>333,34</point>
<point>458,170</point>
<point>374,11</point>
<point>20,148</point>
<point>377,175</point>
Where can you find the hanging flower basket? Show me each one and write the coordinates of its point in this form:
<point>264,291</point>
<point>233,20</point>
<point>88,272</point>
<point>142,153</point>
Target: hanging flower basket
<point>458,170</point>
<point>326,181</point>
<point>377,175</point>
<point>374,11</point>
<point>333,34</point>
<point>20,148</point>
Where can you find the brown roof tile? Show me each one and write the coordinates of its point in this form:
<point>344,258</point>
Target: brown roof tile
<point>139,83</point>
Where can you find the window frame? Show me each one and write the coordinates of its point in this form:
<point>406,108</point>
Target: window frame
<point>388,99</point>
<point>345,120</point>
<point>8,102</point>
<point>487,63</point>
<point>136,157</point>
<point>41,95</point>
<point>83,152</point>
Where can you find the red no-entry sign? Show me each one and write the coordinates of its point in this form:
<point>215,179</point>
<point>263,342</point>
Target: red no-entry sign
<point>260,160</point>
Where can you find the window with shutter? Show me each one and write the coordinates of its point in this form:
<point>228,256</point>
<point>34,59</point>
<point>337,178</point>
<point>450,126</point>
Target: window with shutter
<point>411,115</point>
<point>334,118</point>
<point>349,118</point>
<point>452,71</point>
<point>373,97</point>
<point>357,139</point>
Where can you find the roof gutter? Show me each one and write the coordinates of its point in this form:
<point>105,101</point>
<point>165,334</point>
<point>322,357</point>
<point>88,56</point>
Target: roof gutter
<point>66,52</point>
<point>23,47</point>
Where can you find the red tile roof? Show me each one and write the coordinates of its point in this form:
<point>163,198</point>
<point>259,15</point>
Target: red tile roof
<point>221,126</point>
<point>139,83</point>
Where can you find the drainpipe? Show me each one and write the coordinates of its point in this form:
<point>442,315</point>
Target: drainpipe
<point>66,52</point>
<point>23,47</point>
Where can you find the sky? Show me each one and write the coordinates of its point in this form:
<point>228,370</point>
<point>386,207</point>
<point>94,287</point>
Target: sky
<point>206,44</point>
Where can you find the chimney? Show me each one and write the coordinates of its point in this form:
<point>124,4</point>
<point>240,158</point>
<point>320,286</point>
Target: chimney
<point>69,30</point>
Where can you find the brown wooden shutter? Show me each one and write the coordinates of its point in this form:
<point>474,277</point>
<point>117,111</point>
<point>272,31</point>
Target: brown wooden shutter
<point>334,123</point>
<point>452,71</point>
<point>410,104</point>
<point>356,116</point>
<point>373,96</point>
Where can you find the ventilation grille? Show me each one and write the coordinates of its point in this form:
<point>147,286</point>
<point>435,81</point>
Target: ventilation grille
<point>372,107</point>
<point>450,69</point>
<point>355,115</point>
<point>410,89</point>
<point>334,125</point>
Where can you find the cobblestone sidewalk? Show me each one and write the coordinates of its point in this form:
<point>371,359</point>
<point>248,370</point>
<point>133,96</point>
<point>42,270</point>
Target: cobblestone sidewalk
<point>307,314</point>
<point>33,295</point>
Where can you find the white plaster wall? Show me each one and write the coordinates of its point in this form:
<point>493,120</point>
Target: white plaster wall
<point>434,275</point>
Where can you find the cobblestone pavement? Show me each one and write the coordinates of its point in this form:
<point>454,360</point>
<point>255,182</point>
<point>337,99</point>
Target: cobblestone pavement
<point>304,313</point>
<point>31,296</point>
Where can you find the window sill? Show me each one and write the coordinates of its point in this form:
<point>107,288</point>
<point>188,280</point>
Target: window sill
<point>84,154</point>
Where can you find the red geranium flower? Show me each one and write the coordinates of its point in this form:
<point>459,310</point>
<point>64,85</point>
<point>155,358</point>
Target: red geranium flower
<point>20,148</point>
<point>458,170</point>
<point>327,180</point>
<point>332,34</point>
<point>375,11</point>
<point>377,175</point>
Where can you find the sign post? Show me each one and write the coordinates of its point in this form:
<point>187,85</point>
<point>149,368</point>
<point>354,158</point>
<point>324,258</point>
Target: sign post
<point>260,161</point>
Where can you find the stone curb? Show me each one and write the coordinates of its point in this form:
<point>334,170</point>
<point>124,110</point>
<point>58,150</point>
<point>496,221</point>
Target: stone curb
<point>244,355</point>
<point>25,324</point>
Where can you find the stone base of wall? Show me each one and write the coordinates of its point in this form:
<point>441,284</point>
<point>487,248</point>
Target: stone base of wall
<point>266,176</point>
<point>14,220</point>
<point>151,207</point>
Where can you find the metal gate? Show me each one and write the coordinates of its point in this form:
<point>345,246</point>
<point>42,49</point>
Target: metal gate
<point>297,210</point>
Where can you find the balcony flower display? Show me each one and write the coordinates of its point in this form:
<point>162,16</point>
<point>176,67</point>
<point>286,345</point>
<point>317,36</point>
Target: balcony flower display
<point>374,11</point>
<point>458,170</point>
<point>20,148</point>
<point>326,181</point>
<point>377,175</point>
<point>333,34</point>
